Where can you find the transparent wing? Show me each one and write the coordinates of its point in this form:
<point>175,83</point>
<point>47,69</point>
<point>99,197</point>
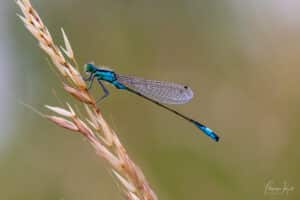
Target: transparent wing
<point>161,91</point>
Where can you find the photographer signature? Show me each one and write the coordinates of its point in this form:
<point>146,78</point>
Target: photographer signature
<point>278,189</point>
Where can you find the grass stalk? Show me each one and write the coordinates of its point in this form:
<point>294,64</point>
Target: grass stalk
<point>95,128</point>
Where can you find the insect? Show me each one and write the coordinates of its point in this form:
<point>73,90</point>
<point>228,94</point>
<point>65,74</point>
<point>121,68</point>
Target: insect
<point>158,92</point>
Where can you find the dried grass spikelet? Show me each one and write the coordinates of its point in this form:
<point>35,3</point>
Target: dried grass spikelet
<point>93,127</point>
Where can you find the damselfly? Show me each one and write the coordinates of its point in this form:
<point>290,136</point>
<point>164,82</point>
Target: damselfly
<point>157,92</point>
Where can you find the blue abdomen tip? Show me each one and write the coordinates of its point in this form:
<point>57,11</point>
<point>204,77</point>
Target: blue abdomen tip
<point>210,133</point>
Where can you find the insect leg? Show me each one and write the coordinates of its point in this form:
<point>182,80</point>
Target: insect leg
<point>105,90</point>
<point>90,79</point>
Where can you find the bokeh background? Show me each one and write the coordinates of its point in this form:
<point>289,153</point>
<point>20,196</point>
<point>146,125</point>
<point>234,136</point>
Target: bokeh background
<point>240,57</point>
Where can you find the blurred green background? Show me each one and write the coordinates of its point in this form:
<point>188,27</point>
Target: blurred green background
<point>240,57</point>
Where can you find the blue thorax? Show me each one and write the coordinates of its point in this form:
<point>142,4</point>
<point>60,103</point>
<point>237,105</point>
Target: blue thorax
<point>105,75</point>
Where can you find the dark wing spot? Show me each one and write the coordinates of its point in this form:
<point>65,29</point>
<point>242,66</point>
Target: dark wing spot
<point>182,91</point>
